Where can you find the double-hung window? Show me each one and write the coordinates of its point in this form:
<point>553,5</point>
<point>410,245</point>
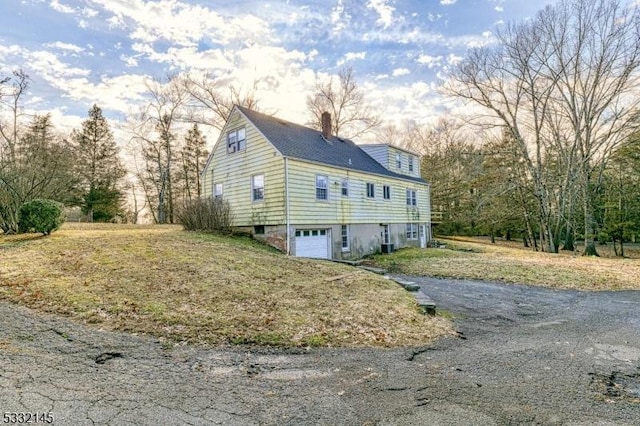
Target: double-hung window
<point>217,190</point>
<point>236,140</point>
<point>322,187</point>
<point>412,231</point>
<point>411,197</point>
<point>411,159</point>
<point>386,192</point>
<point>371,190</point>
<point>345,187</point>
<point>257,188</point>
<point>345,237</point>
<point>398,160</point>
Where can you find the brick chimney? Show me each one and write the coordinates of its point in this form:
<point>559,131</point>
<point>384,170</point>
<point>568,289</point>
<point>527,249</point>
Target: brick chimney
<point>326,125</point>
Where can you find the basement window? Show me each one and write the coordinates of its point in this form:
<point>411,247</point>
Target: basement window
<point>345,237</point>
<point>412,231</point>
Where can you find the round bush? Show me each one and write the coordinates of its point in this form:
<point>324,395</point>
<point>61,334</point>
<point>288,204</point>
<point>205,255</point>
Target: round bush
<point>40,216</point>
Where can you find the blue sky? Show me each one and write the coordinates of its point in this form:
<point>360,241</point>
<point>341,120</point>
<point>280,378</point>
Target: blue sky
<point>81,52</point>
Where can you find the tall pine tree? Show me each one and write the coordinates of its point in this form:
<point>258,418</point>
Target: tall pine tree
<point>99,168</point>
<point>193,157</point>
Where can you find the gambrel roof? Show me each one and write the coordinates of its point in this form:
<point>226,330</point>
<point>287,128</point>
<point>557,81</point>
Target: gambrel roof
<point>296,141</point>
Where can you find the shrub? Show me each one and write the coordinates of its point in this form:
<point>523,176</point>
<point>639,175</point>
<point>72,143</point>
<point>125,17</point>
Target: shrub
<point>206,214</point>
<point>41,216</point>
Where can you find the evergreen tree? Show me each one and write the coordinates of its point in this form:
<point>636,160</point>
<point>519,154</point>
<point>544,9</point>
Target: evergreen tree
<point>99,168</point>
<point>193,157</point>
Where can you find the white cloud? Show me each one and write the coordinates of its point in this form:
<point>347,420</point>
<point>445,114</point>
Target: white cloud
<point>499,9</point>
<point>65,47</point>
<point>181,23</point>
<point>62,8</point>
<point>454,59</point>
<point>339,19</point>
<point>400,71</point>
<point>384,11</point>
<point>89,12</point>
<point>429,61</point>
<point>352,56</point>
<point>48,66</point>
<point>447,2</point>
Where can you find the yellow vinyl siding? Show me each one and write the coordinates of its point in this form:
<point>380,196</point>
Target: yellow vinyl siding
<point>357,208</point>
<point>234,171</point>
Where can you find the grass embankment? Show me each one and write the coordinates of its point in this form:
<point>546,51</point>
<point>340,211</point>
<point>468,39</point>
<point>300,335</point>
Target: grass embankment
<point>200,288</point>
<point>476,259</point>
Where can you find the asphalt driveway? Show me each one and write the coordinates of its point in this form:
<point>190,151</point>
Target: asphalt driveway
<point>524,355</point>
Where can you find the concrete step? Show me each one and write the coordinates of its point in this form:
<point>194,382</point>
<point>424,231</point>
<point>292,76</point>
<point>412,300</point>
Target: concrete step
<point>407,285</point>
<point>379,271</point>
<point>427,305</point>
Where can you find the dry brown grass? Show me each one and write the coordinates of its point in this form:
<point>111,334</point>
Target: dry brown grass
<point>206,289</point>
<point>478,259</point>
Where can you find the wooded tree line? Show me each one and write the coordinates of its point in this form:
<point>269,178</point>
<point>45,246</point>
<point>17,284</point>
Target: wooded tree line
<point>36,162</point>
<point>562,89</point>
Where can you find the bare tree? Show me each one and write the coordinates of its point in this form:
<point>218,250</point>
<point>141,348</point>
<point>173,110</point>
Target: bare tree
<point>212,98</point>
<point>43,168</point>
<point>11,91</point>
<point>345,101</point>
<point>562,84</point>
<point>155,131</point>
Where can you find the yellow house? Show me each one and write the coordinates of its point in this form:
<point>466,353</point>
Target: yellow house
<point>312,194</point>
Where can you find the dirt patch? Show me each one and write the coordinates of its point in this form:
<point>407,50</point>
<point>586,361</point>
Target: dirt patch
<point>618,386</point>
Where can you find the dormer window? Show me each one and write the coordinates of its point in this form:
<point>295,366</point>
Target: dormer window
<point>398,160</point>
<point>411,163</point>
<point>236,140</point>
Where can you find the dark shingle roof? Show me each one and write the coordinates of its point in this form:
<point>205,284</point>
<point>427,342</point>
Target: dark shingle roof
<point>296,141</point>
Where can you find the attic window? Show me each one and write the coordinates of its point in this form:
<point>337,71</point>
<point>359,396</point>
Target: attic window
<point>398,160</point>
<point>236,140</point>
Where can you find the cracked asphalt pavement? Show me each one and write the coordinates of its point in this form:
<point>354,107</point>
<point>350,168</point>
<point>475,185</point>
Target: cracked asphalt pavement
<point>523,355</point>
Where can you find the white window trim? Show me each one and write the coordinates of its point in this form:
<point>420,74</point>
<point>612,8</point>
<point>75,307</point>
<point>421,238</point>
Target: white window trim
<point>238,144</point>
<point>344,185</point>
<point>326,188</point>
<point>373,190</point>
<point>253,188</point>
<point>217,194</point>
<point>411,163</point>
<point>412,198</point>
<point>398,161</point>
<point>348,235</point>
<point>388,188</point>
<point>412,231</point>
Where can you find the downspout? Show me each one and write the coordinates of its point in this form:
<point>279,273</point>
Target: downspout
<point>286,203</point>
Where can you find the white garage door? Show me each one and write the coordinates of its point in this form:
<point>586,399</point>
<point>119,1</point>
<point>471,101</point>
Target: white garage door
<point>312,243</point>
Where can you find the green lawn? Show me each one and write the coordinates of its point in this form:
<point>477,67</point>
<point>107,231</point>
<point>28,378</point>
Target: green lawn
<point>478,259</point>
<point>206,289</point>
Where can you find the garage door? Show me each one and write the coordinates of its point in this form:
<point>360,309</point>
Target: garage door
<point>312,243</point>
